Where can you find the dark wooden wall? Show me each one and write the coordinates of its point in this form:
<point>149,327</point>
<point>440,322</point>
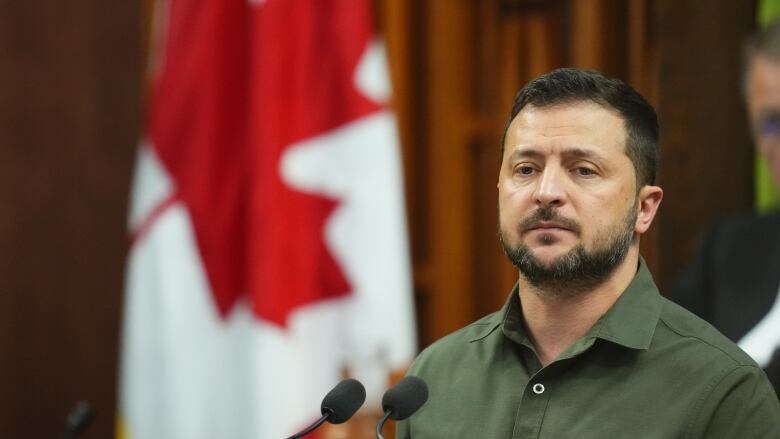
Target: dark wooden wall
<point>69,118</point>
<point>69,74</point>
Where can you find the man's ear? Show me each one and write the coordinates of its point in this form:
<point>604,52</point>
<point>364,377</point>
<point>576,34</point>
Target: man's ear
<point>649,200</point>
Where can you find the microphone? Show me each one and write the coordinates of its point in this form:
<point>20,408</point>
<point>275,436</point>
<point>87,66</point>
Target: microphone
<point>78,419</point>
<point>402,400</point>
<point>338,405</point>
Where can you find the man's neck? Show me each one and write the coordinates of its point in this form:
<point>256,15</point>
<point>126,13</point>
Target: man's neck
<point>555,321</point>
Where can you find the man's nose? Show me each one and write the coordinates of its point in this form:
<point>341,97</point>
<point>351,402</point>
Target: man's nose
<point>550,188</point>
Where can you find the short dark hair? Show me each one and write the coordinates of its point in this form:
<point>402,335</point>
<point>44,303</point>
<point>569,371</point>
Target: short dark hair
<point>764,42</point>
<point>570,85</point>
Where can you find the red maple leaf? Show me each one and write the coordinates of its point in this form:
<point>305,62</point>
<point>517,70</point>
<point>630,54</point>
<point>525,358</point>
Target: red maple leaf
<point>238,86</point>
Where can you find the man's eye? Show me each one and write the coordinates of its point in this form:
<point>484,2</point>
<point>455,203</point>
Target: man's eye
<point>524,170</point>
<point>585,172</point>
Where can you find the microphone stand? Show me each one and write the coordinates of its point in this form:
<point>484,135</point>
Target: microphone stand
<point>381,424</point>
<point>313,426</point>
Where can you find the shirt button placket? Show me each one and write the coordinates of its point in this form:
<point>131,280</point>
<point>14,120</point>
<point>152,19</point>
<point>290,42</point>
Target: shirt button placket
<point>528,420</point>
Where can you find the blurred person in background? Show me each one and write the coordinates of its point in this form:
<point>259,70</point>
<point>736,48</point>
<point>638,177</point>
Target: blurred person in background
<point>734,279</point>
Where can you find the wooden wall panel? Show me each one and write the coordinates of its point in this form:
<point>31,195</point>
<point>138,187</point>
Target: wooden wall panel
<point>449,176</point>
<point>69,121</point>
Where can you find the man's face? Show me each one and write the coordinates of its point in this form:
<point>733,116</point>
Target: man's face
<point>763,102</point>
<point>567,194</point>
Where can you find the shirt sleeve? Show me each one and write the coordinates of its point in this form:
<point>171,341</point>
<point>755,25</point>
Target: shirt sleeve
<point>741,404</point>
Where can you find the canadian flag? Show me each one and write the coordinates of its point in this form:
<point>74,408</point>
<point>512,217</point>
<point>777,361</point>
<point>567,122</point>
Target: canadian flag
<point>268,239</point>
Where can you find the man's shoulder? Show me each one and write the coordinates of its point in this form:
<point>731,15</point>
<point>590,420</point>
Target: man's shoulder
<point>733,392</point>
<point>693,334</point>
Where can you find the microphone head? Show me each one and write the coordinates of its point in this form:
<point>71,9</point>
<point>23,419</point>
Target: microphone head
<point>343,401</point>
<point>405,398</point>
<point>79,418</point>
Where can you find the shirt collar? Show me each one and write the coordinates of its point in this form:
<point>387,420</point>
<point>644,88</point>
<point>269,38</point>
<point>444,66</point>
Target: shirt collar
<point>631,321</point>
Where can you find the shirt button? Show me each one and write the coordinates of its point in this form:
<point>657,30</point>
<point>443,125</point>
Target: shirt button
<point>538,388</point>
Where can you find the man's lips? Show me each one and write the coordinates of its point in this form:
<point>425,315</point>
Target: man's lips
<point>547,226</point>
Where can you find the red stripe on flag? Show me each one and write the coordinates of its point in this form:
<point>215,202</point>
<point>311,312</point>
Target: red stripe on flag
<point>143,229</point>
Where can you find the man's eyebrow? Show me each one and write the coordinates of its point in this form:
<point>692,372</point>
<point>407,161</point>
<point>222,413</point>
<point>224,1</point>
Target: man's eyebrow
<point>568,153</point>
<point>525,153</point>
<point>579,153</point>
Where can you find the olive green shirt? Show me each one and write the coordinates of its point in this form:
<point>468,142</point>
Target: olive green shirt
<point>646,369</point>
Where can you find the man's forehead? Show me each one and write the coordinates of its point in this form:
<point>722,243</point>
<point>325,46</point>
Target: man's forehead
<point>577,128</point>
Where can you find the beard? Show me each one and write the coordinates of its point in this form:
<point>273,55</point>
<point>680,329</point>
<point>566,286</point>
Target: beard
<point>579,270</point>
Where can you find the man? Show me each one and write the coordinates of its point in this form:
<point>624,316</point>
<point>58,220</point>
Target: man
<point>585,346</point>
<point>734,279</point>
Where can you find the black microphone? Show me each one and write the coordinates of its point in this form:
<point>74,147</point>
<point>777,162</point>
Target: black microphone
<point>338,405</point>
<point>78,419</point>
<point>402,400</point>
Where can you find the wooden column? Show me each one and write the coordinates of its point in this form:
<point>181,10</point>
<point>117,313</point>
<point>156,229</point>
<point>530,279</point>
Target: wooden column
<point>447,265</point>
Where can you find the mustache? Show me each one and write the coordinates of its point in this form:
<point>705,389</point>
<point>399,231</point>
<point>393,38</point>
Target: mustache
<point>551,215</point>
